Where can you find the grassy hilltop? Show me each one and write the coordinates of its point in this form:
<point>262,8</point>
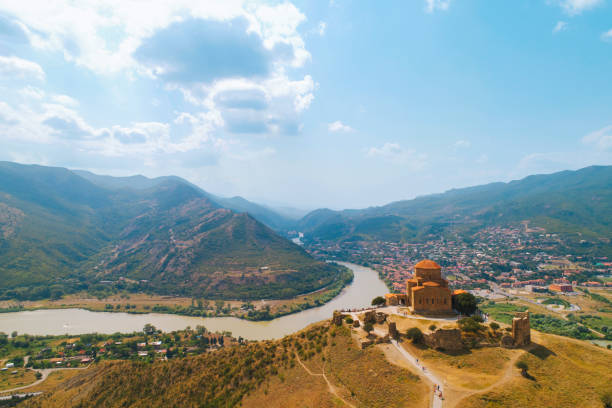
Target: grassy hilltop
<point>323,366</point>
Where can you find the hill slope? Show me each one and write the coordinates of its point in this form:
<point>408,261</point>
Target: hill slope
<point>61,232</point>
<point>568,201</point>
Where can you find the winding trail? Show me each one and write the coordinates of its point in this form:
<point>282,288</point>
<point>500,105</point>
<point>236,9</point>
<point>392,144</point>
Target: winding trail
<point>330,386</point>
<point>44,372</point>
<point>412,360</point>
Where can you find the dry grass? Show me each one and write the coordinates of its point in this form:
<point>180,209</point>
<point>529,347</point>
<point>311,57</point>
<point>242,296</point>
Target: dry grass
<point>9,380</point>
<point>473,369</point>
<point>363,378</point>
<point>566,373</point>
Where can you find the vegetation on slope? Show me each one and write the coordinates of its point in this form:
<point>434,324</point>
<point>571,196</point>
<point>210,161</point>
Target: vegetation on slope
<point>565,202</point>
<point>562,373</point>
<point>256,374</point>
<point>61,233</point>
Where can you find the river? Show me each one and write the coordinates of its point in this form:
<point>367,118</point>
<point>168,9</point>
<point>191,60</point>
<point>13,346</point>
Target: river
<point>365,286</point>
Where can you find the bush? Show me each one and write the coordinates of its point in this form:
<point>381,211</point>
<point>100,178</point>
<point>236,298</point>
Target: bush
<point>348,319</point>
<point>368,327</point>
<point>378,301</point>
<point>432,327</point>
<point>465,303</point>
<point>415,334</point>
<point>469,324</point>
<point>494,326</point>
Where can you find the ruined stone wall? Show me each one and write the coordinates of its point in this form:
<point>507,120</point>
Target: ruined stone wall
<point>521,329</point>
<point>447,339</point>
<point>374,317</point>
<point>337,318</point>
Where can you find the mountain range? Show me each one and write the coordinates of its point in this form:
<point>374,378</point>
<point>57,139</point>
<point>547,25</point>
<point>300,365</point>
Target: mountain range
<point>564,202</point>
<point>63,230</point>
<point>66,229</point>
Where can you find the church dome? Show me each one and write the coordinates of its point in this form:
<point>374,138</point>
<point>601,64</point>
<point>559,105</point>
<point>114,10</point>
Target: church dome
<point>427,264</point>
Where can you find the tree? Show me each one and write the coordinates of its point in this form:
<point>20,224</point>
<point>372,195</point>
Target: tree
<point>368,327</point>
<point>378,301</point>
<point>465,303</point>
<point>494,326</point>
<point>432,327</point>
<point>415,334</point>
<point>149,329</point>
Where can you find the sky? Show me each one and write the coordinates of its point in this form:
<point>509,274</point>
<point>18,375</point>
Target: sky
<point>309,104</point>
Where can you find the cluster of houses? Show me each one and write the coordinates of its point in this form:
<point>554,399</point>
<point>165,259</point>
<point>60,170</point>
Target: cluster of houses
<point>513,257</point>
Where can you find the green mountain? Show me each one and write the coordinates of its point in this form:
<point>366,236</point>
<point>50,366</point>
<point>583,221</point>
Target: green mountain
<point>263,214</point>
<point>568,201</point>
<point>63,231</point>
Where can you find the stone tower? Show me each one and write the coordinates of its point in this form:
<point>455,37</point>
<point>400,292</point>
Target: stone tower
<point>521,330</point>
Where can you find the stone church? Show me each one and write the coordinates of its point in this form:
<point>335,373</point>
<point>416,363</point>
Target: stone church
<point>426,292</point>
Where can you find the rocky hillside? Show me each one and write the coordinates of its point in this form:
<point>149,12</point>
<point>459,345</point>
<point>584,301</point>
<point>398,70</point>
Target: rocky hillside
<point>61,232</point>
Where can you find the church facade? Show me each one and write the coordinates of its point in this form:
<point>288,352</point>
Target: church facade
<point>426,292</point>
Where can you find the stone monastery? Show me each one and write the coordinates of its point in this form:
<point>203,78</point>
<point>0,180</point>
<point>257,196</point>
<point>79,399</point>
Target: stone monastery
<point>427,292</point>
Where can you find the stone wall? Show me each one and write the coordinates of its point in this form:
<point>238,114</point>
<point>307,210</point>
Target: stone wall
<point>446,339</point>
<point>374,317</point>
<point>521,329</point>
<point>337,318</point>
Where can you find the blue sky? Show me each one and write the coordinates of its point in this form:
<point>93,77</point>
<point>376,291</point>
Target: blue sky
<point>339,104</point>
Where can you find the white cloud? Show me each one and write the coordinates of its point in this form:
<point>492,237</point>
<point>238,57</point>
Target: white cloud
<point>574,7</point>
<point>65,100</point>
<point>601,139</point>
<point>338,126</point>
<point>18,68</point>
<point>394,153</point>
<point>321,28</point>
<point>483,158</point>
<point>560,26</point>
<point>433,5</point>
<point>103,35</point>
<point>607,36</point>
<point>462,144</point>
<point>32,92</point>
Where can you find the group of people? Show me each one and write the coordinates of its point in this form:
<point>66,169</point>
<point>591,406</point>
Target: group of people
<point>437,389</point>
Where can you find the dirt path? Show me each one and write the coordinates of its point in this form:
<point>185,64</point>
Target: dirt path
<point>413,361</point>
<point>509,374</point>
<point>45,373</point>
<point>331,388</point>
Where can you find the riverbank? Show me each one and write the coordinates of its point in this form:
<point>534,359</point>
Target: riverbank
<point>359,293</point>
<point>140,303</point>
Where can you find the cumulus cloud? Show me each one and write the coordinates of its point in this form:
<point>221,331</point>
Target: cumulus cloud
<point>574,7</point>
<point>394,153</point>
<point>103,35</point>
<point>601,139</point>
<point>198,50</point>
<point>18,68</point>
<point>560,26</point>
<point>338,126</point>
<point>433,5</point>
